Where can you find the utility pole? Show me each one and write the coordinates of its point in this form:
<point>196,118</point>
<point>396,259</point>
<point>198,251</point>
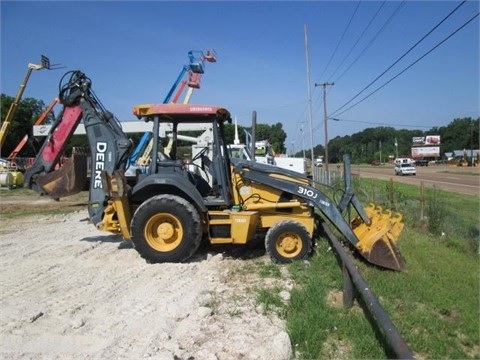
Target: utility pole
<point>325,118</point>
<point>380,152</point>
<point>303,139</point>
<point>309,98</point>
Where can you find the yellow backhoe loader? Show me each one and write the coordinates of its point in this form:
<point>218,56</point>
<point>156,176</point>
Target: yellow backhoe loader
<point>168,208</point>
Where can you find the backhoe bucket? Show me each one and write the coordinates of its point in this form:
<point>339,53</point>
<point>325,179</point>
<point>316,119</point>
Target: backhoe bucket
<point>67,180</point>
<point>377,240</point>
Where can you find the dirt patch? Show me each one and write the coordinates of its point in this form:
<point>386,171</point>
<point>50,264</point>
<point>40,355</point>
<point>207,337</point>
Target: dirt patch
<point>335,299</point>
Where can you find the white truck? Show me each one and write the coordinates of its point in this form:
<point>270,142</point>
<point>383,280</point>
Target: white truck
<point>264,154</point>
<point>405,166</point>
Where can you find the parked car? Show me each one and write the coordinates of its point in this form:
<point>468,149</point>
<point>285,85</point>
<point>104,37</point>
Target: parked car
<point>405,169</point>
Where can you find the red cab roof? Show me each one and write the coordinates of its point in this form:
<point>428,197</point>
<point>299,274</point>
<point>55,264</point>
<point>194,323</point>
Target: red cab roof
<point>181,112</point>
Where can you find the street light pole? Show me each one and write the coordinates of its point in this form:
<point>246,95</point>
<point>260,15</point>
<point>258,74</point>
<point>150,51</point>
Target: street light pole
<point>325,125</point>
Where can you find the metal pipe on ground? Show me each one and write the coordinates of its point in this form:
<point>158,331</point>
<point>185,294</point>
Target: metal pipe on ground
<point>351,276</point>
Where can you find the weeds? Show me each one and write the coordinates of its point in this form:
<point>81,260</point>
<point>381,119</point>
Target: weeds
<point>436,213</point>
<point>270,269</point>
<point>452,218</point>
<point>270,299</point>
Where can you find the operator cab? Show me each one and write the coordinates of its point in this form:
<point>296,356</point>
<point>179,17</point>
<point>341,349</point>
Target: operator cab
<point>209,169</point>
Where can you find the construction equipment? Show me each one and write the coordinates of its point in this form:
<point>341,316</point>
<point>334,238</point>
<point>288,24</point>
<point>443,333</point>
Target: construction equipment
<point>43,116</point>
<point>168,210</point>
<point>44,64</point>
<point>195,70</point>
<point>265,154</point>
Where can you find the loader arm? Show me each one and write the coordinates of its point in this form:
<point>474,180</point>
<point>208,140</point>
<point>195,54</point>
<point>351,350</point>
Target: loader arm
<point>381,254</point>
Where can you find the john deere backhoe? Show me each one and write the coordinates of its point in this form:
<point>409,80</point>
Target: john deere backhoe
<point>169,207</point>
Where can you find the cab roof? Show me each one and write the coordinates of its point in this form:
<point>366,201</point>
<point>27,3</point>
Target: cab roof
<point>190,113</point>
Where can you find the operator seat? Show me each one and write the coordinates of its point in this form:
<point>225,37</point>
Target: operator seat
<point>163,157</point>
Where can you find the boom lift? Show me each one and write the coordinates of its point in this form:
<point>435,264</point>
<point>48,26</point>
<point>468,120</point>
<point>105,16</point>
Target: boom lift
<point>195,69</point>
<point>169,209</point>
<point>14,168</point>
<point>44,64</point>
<point>39,121</point>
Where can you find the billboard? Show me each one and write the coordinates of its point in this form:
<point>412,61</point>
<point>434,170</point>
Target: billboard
<point>426,140</point>
<point>424,151</point>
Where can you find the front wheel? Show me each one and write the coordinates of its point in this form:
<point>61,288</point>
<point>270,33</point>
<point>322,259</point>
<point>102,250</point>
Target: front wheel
<point>287,241</point>
<point>166,228</point>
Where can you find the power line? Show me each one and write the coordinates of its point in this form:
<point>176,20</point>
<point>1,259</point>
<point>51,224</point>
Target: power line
<point>395,12</point>
<point>400,58</point>
<point>385,124</point>
<point>341,39</point>
<point>408,67</point>
<point>358,39</point>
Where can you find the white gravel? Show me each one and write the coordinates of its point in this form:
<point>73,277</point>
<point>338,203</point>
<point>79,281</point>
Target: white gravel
<point>71,292</point>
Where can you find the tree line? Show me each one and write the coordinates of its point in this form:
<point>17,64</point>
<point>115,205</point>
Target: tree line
<point>376,143</point>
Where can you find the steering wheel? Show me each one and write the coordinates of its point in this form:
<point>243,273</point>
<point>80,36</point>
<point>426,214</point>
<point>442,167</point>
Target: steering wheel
<point>200,154</point>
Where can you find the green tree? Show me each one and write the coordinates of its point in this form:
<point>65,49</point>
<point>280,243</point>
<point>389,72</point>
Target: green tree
<point>318,150</point>
<point>275,135</point>
<point>460,134</point>
<point>27,111</point>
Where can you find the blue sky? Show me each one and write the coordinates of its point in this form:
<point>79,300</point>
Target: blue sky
<point>133,51</point>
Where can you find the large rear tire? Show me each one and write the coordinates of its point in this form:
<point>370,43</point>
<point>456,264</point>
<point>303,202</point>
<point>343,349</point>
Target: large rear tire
<point>166,228</point>
<point>288,241</point>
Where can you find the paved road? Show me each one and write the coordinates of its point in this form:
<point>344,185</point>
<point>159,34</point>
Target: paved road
<point>456,179</point>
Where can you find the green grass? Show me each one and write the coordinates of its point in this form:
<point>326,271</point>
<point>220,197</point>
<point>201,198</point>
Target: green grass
<point>435,304</point>
<point>270,298</point>
<point>322,330</point>
<point>11,193</point>
<point>22,202</point>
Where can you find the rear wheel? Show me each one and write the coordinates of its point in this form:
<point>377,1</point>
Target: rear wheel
<point>287,241</point>
<point>166,228</point>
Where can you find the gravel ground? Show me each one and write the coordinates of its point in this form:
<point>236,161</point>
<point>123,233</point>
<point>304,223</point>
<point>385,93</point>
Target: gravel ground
<point>71,292</point>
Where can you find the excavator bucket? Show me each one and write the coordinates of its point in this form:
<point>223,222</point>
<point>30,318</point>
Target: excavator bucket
<point>68,179</point>
<point>377,240</point>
